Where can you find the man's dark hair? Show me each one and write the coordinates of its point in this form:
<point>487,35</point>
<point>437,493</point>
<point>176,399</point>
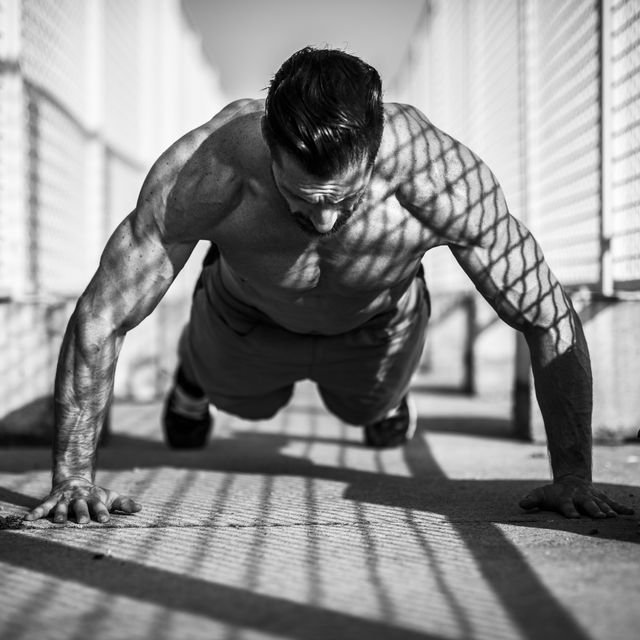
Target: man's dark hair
<point>324,107</point>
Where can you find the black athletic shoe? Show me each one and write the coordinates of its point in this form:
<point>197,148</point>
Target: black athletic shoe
<point>182,431</point>
<point>395,429</point>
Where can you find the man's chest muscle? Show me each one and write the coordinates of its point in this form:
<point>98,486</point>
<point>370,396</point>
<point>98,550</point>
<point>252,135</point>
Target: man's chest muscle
<point>370,253</point>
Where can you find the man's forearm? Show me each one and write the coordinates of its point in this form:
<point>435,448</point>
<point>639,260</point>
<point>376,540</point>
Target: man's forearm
<point>84,384</point>
<point>563,385</point>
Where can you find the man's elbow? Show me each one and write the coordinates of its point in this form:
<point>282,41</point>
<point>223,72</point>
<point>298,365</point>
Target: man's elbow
<point>96,323</point>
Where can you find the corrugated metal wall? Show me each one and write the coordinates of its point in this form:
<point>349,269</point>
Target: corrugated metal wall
<point>54,72</point>
<point>541,89</point>
<point>564,136</point>
<point>12,142</point>
<point>494,122</point>
<point>91,91</point>
<point>548,93</point>
<point>624,176</point>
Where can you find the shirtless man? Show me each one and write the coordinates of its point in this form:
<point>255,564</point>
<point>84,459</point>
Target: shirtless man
<point>320,203</point>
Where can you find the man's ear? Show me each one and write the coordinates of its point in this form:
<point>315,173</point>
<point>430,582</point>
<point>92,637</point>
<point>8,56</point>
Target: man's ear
<point>273,149</point>
<point>263,129</point>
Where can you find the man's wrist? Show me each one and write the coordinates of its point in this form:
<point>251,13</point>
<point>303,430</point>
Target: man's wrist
<point>573,475</point>
<point>61,476</point>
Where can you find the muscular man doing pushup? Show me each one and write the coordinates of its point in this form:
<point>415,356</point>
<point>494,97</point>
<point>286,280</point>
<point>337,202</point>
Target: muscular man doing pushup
<point>320,203</point>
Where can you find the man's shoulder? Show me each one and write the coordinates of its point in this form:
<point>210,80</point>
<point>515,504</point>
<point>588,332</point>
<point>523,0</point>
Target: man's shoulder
<point>405,137</point>
<point>237,124</point>
<point>404,118</point>
<point>221,138</point>
<point>413,143</point>
<point>215,155</point>
<point>206,169</point>
<point>229,139</point>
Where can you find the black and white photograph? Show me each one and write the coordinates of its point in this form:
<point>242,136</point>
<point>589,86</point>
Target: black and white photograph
<point>320,320</point>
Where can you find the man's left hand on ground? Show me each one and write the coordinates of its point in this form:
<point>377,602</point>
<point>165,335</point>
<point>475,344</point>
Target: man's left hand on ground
<point>572,496</point>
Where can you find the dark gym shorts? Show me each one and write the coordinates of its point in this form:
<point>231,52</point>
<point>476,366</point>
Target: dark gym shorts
<point>247,366</point>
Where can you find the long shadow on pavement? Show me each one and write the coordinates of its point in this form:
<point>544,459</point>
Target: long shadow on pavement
<point>469,505</point>
<point>223,603</point>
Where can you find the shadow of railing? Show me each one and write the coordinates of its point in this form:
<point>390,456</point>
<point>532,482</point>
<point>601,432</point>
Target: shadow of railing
<point>473,510</point>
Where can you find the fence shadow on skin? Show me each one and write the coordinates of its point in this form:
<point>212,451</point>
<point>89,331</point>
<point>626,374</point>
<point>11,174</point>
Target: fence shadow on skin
<point>466,504</point>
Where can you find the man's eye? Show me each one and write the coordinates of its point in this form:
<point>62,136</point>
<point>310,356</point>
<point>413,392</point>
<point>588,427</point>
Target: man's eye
<point>351,203</point>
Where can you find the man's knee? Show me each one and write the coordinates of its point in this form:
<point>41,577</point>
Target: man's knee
<point>261,407</point>
<point>357,410</point>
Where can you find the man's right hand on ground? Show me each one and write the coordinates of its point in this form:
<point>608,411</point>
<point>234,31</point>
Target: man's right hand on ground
<point>83,499</point>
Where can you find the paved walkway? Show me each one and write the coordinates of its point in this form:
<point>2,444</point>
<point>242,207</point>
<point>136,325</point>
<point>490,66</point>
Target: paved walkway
<point>292,529</point>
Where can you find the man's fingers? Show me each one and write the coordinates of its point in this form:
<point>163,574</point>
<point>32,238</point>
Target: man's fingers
<point>617,507</point>
<point>572,498</point>
<point>60,513</point>
<point>85,503</point>
<point>590,507</point>
<point>98,510</point>
<point>81,510</point>
<point>43,509</point>
<point>125,504</point>
<point>605,508</point>
<point>610,507</point>
<point>34,514</point>
<point>568,509</point>
<point>531,501</point>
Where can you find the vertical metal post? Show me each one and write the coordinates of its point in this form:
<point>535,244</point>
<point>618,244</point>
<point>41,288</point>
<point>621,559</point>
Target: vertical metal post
<point>469,384</point>
<point>95,167</point>
<point>14,261</point>
<point>521,413</point>
<point>521,392</point>
<point>606,222</point>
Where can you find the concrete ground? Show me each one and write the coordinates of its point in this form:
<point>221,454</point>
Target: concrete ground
<point>292,529</point>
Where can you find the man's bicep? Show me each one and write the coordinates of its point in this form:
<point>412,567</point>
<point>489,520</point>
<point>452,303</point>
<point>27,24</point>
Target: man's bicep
<point>460,202</point>
<point>136,268</point>
<point>514,277</point>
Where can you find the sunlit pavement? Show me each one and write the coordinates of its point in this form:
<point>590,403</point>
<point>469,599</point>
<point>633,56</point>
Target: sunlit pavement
<point>292,529</point>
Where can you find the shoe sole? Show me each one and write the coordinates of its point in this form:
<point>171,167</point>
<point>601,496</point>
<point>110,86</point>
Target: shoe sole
<point>413,417</point>
<point>187,436</point>
<point>399,440</point>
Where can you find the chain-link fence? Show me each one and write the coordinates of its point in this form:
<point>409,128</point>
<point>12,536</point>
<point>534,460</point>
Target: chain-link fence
<point>547,92</point>
<point>622,46</point>
<point>91,91</point>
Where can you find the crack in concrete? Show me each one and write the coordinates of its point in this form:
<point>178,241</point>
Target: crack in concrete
<point>19,524</point>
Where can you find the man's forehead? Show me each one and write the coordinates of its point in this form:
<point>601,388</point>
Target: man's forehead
<point>294,177</point>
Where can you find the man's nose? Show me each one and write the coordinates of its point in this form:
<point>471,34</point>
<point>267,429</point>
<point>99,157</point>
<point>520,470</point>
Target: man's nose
<point>323,219</point>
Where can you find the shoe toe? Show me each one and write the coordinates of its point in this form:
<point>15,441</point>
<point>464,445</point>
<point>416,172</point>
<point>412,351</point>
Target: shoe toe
<point>395,430</point>
<point>181,432</point>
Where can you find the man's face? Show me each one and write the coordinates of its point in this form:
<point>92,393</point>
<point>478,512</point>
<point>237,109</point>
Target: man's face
<point>320,206</point>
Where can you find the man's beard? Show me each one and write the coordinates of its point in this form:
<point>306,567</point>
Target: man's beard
<point>309,229</point>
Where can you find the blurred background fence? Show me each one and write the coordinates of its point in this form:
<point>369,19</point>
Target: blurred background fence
<point>546,91</point>
<point>90,93</point>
